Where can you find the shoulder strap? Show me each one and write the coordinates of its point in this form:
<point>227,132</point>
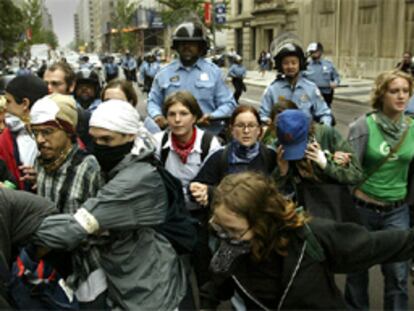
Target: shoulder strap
<point>266,157</point>
<point>70,174</point>
<point>205,144</point>
<point>224,162</point>
<point>393,150</point>
<point>164,151</point>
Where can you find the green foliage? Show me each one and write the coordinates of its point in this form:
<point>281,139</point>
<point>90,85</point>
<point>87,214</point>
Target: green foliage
<point>11,25</point>
<point>32,15</point>
<point>121,20</point>
<point>178,11</point>
<point>15,22</point>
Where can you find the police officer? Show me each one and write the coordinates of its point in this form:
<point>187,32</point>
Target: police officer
<point>88,89</point>
<point>322,72</point>
<point>193,73</point>
<point>111,69</point>
<point>129,65</point>
<point>148,70</point>
<point>237,73</point>
<point>291,85</point>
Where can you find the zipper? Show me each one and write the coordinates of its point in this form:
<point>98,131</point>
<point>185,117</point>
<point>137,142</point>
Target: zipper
<point>251,297</point>
<point>302,253</point>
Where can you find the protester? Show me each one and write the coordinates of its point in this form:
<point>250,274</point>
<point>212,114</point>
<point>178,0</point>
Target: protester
<point>291,85</point>
<point>20,215</point>
<point>68,177</point>
<point>17,147</point>
<point>128,206</point>
<point>182,149</point>
<point>275,257</point>
<point>315,165</point>
<point>123,90</point>
<point>244,152</point>
<point>61,78</point>
<point>383,141</point>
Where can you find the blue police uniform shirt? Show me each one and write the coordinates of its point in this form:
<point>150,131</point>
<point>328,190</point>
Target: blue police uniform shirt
<point>111,68</point>
<point>149,69</point>
<point>305,94</point>
<point>322,72</point>
<point>237,71</point>
<point>129,63</point>
<point>203,80</point>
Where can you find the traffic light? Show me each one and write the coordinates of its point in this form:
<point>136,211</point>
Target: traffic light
<point>220,13</point>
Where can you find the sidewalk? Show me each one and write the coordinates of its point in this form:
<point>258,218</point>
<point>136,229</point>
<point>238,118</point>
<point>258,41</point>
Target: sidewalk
<point>350,89</point>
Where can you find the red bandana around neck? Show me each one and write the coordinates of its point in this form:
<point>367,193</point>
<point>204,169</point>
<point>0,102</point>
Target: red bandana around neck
<point>183,150</point>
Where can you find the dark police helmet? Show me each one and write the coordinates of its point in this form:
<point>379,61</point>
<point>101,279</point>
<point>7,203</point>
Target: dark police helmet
<point>190,31</point>
<point>87,76</point>
<point>290,49</point>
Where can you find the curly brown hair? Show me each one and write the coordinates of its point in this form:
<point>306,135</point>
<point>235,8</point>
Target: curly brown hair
<point>381,86</point>
<point>271,217</point>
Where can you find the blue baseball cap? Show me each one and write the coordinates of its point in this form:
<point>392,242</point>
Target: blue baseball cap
<point>292,128</point>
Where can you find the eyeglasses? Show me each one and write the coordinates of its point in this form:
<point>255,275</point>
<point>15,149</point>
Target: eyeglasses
<point>46,133</point>
<point>231,238</point>
<point>250,126</point>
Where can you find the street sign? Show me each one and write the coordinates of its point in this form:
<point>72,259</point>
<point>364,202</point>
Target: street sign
<point>220,13</point>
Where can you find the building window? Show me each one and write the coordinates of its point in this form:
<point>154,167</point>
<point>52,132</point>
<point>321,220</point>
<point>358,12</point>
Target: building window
<point>253,53</point>
<point>239,41</point>
<point>239,7</point>
<point>367,25</point>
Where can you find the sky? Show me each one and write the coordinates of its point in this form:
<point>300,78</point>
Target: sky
<point>62,15</point>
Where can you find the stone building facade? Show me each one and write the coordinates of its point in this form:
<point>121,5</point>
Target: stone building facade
<point>362,37</point>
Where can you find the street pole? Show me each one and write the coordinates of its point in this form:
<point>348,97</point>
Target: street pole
<point>213,22</point>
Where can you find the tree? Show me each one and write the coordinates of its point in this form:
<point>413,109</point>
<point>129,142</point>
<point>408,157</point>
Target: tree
<point>11,25</point>
<point>179,10</point>
<point>32,13</point>
<point>121,21</point>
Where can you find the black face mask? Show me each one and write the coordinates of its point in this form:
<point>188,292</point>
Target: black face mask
<point>109,157</point>
<point>226,255</point>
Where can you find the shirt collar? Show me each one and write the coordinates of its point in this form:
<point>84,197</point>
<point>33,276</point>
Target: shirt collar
<point>198,64</point>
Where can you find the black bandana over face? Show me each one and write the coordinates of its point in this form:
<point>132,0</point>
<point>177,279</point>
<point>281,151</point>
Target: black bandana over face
<point>109,157</point>
<point>227,253</point>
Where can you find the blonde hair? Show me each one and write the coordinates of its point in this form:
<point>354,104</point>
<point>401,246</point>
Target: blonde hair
<point>381,86</point>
